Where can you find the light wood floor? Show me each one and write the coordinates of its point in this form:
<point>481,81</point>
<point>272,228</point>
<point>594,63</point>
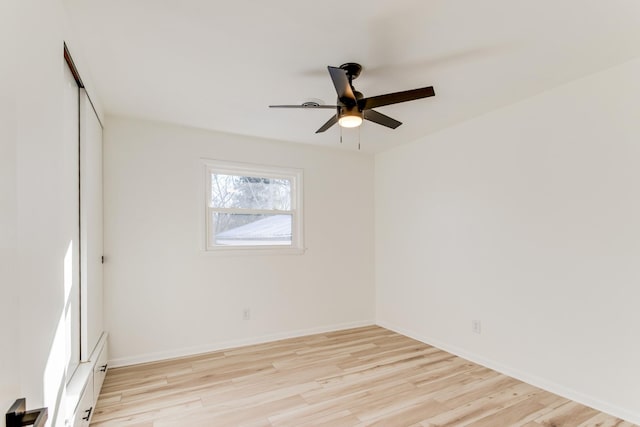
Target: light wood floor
<point>365,376</point>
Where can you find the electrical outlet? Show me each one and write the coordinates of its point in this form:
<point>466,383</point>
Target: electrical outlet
<point>476,326</point>
<point>246,314</point>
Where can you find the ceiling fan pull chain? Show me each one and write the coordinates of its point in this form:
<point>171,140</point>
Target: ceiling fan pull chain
<point>359,131</point>
<point>340,134</point>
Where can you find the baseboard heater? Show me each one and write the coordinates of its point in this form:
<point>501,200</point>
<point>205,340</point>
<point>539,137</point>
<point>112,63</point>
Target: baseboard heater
<point>18,416</point>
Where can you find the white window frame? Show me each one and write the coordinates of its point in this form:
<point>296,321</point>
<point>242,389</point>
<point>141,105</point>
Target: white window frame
<point>295,176</point>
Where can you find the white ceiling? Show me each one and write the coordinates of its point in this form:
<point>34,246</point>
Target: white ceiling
<point>219,64</point>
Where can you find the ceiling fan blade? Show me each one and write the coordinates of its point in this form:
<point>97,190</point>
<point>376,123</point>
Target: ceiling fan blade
<point>381,119</point>
<point>304,106</point>
<point>395,98</point>
<point>342,85</point>
<point>332,121</point>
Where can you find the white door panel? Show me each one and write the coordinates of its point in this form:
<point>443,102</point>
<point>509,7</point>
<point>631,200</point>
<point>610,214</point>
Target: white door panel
<point>91,224</point>
<point>70,198</point>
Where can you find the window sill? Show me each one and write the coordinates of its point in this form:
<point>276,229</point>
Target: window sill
<point>244,251</point>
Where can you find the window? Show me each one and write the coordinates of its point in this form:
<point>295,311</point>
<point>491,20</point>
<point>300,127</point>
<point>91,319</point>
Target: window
<point>252,207</point>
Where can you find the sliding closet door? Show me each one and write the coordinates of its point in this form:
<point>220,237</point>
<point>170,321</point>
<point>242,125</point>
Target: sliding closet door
<point>69,198</point>
<point>90,225</point>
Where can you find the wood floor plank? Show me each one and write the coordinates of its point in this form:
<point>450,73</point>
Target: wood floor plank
<point>483,407</point>
<point>571,413</point>
<point>605,420</point>
<point>358,377</point>
<point>510,415</point>
<point>405,415</point>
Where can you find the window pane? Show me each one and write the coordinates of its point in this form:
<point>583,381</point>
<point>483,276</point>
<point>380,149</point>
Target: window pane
<point>251,229</point>
<point>248,192</point>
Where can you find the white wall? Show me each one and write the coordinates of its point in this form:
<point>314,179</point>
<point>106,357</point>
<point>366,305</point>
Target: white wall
<point>34,219</point>
<point>528,219</point>
<point>165,297</point>
<point>9,312</point>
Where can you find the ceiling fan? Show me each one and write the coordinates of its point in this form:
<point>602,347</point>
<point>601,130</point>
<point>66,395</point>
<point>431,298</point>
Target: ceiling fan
<point>352,107</point>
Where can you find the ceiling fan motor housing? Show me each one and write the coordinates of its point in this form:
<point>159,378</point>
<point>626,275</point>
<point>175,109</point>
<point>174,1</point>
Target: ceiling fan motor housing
<point>353,70</point>
<point>350,111</point>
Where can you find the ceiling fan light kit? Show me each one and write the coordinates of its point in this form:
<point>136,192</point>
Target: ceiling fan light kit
<point>350,121</point>
<point>351,118</point>
<point>352,107</point>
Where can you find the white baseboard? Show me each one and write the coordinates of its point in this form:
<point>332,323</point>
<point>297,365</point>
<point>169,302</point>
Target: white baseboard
<point>536,381</point>
<point>224,345</point>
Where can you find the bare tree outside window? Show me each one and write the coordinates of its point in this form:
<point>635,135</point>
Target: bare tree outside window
<point>247,192</point>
